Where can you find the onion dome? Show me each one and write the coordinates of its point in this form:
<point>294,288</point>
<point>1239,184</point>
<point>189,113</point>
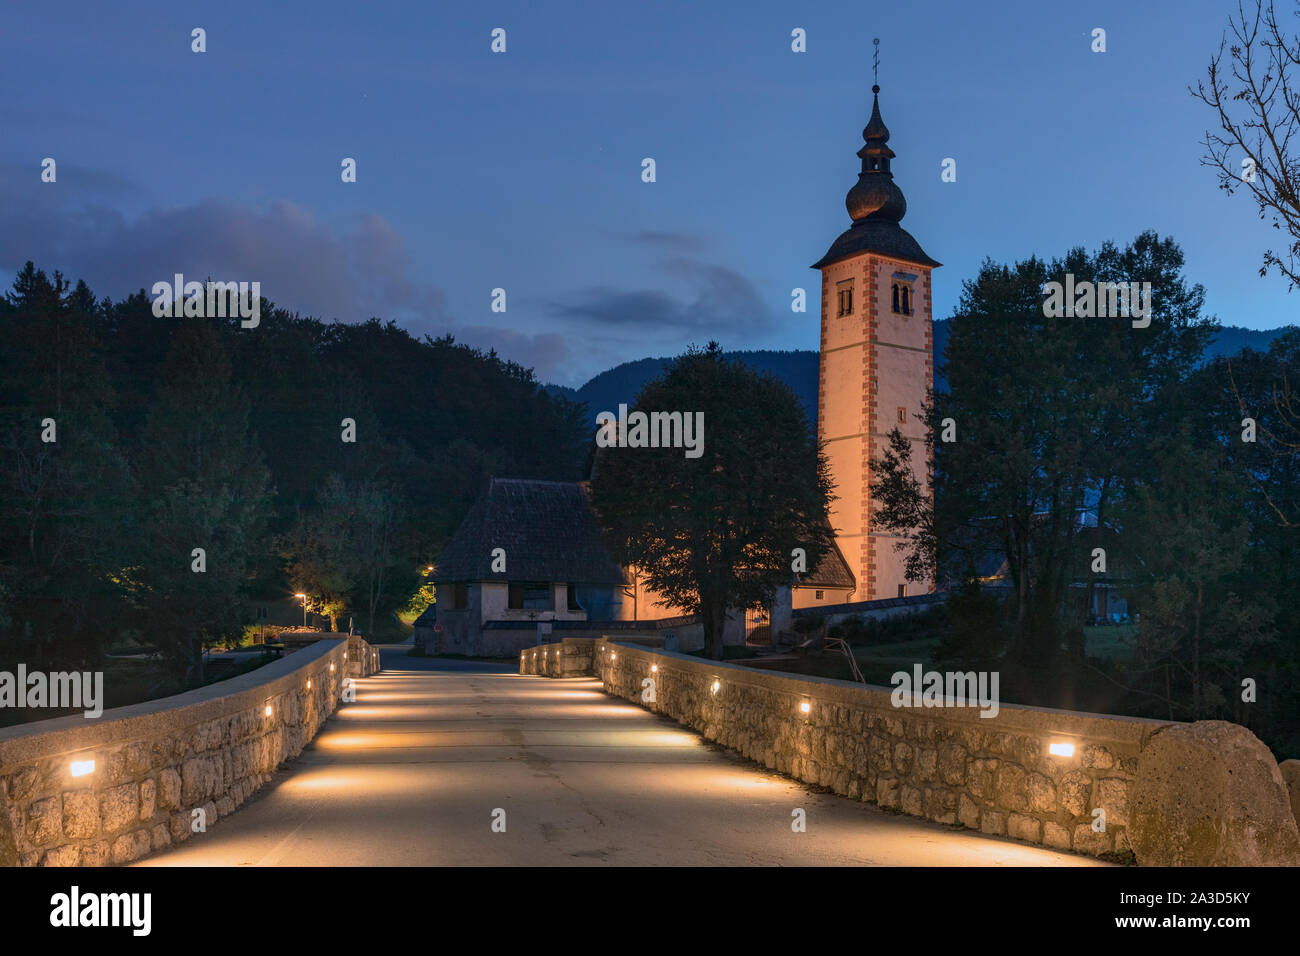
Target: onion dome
<point>875,193</point>
<point>875,203</point>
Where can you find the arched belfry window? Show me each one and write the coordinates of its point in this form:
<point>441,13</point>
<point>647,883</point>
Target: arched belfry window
<point>903,289</point>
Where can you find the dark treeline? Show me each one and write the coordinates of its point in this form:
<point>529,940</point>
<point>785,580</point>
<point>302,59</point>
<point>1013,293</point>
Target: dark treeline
<point>129,441</point>
<point>1089,453</point>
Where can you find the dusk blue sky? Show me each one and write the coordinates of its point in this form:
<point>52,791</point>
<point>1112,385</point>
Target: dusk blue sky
<point>523,170</point>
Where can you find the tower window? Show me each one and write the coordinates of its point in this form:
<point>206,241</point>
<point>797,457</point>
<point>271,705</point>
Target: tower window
<point>845,298</point>
<point>902,590</point>
<point>895,296</point>
<point>907,304</point>
<point>902,415</point>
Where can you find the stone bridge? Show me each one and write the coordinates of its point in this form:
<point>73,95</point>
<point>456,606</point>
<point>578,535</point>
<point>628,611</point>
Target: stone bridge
<point>564,760</point>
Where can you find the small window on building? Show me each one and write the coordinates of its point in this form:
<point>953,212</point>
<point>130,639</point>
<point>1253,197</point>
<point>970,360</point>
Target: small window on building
<point>456,597</point>
<point>844,298</point>
<point>531,596</point>
<point>818,594</point>
<point>902,415</point>
<point>573,598</point>
<point>902,590</point>
<point>907,300</point>
<point>895,296</point>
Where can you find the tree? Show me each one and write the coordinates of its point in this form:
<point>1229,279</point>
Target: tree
<point>1051,418</point>
<point>353,550</point>
<point>1257,100</point>
<point>717,531</point>
<point>64,485</point>
<point>1187,524</point>
<point>205,488</point>
<point>904,505</point>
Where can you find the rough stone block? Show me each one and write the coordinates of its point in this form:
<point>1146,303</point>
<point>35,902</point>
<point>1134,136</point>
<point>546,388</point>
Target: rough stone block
<point>194,783</point>
<point>1087,840</point>
<point>131,846</point>
<point>927,763</point>
<point>952,764</point>
<point>138,756</point>
<point>23,784</point>
<point>1210,794</point>
<point>1076,793</point>
<point>1290,770</point>
<point>45,821</point>
<point>993,822</point>
<point>169,789</point>
<point>119,807</point>
<point>1023,827</point>
<point>1112,796</point>
<point>148,798</point>
<point>1009,788</point>
<point>1055,835</point>
<point>1095,757</point>
<point>941,806</point>
<point>968,812</point>
<point>62,856</point>
<point>1041,792</point>
<point>95,854</point>
<point>179,825</point>
<point>903,758</point>
<point>80,814</point>
<point>911,801</point>
<point>159,836</point>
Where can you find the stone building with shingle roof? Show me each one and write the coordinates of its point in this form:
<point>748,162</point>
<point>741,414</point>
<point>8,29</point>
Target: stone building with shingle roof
<point>528,560</point>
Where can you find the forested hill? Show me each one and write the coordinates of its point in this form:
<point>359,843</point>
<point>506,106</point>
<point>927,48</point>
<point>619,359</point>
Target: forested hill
<point>798,369</point>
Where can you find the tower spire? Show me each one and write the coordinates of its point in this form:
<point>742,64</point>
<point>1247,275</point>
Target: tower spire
<point>875,194</point>
<point>875,67</point>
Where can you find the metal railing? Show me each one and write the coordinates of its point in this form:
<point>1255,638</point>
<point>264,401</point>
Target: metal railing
<point>842,646</point>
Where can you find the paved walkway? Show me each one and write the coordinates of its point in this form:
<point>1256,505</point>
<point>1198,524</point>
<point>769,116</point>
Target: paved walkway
<point>412,772</point>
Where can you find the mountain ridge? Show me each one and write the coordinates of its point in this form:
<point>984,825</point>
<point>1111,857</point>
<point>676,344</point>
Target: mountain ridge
<point>606,390</point>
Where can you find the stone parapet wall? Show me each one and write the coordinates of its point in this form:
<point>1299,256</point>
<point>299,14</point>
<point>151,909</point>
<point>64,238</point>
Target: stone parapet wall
<point>950,765</point>
<point>158,762</point>
<point>572,656</point>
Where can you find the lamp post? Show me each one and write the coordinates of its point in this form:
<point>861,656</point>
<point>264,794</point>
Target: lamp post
<point>304,609</point>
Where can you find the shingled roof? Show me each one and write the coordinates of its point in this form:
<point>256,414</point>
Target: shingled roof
<point>883,237</point>
<point>548,531</point>
<point>832,571</point>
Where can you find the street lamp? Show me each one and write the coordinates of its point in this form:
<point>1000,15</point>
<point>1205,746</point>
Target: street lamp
<point>304,609</point>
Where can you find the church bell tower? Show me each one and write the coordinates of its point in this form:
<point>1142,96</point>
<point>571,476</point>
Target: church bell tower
<point>877,360</point>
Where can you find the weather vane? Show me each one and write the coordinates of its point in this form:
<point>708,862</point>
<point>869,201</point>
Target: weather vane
<point>875,62</point>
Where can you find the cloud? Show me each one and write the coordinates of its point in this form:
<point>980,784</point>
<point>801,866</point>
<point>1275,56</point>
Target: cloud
<point>308,266</point>
<point>715,302</point>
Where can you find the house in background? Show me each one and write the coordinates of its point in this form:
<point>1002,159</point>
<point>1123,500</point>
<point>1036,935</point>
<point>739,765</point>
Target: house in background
<point>528,565</point>
<point>528,561</point>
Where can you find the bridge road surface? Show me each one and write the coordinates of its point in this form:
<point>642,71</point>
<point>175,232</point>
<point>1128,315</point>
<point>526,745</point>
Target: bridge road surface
<point>411,772</point>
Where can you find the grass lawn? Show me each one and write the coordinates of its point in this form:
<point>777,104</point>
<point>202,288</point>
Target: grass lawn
<point>1112,643</point>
